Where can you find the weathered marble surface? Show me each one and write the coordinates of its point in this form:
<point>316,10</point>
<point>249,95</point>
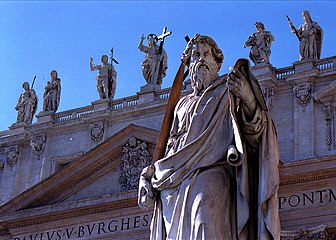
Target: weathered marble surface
<point>106,79</point>
<point>52,93</point>
<point>194,184</point>
<point>260,43</point>
<point>310,35</point>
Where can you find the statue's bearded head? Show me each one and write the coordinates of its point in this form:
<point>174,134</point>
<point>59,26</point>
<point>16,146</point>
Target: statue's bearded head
<point>204,59</point>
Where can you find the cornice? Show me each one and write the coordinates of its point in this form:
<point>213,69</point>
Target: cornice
<point>308,171</point>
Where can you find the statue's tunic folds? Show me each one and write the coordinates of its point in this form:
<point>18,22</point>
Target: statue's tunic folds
<point>200,195</point>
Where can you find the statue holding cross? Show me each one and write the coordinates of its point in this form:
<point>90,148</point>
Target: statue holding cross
<point>154,66</point>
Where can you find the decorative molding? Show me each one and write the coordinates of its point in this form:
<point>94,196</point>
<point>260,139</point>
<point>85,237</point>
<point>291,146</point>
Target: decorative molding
<point>97,131</point>
<point>302,93</point>
<point>135,158</point>
<point>38,145</point>
<point>53,197</point>
<point>315,233</point>
<point>59,162</point>
<point>72,213</point>
<point>269,95</point>
<point>328,113</point>
<point>12,154</point>
<point>308,179</point>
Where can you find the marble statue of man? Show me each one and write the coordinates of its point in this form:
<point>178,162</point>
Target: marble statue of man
<point>26,105</point>
<point>154,66</point>
<point>260,43</point>
<point>198,193</point>
<point>106,79</point>
<point>310,35</point>
<point>52,93</point>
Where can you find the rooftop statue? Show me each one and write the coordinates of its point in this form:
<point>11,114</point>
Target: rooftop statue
<point>219,176</point>
<point>52,93</point>
<point>154,66</point>
<point>310,35</point>
<point>260,43</point>
<point>106,79</point>
<point>26,105</point>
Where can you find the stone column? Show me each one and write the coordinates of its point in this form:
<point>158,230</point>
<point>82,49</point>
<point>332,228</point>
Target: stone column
<point>304,136</point>
<point>9,173</point>
<point>265,73</point>
<point>303,121</point>
<point>37,159</point>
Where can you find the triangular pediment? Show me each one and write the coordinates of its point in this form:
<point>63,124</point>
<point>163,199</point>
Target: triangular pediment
<point>327,94</point>
<point>89,179</point>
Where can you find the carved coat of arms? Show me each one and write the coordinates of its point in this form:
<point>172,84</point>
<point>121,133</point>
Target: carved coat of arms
<point>302,92</point>
<point>97,131</point>
<point>38,145</point>
<point>12,155</point>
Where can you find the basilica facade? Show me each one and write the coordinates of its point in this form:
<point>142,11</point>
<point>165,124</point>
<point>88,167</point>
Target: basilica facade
<point>74,174</point>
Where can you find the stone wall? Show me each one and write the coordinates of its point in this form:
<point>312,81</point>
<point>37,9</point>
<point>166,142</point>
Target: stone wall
<point>300,98</point>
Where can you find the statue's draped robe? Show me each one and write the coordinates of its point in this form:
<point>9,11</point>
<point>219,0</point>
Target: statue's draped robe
<point>27,105</point>
<point>261,46</point>
<point>151,64</point>
<point>200,195</point>
<point>311,40</point>
<point>106,80</point>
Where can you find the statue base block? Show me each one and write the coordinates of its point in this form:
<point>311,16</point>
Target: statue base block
<point>150,87</point>
<point>101,105</point>
<point>45,116</point>
<point>17,128</point>
<point>304,65</point>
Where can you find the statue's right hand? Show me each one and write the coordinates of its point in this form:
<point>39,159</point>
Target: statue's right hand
<point>91,59</point>
<point>143,37</point>
<point>146,196</point>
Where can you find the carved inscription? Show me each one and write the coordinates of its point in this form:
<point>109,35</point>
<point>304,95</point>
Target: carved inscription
<point>98,230</point>
<point>303,199</point>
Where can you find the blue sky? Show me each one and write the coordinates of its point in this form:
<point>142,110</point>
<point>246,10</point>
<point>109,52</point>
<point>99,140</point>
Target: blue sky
<point>38,36</point>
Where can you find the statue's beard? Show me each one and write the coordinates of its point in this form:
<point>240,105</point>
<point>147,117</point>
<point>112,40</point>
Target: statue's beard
<point>202,75</point>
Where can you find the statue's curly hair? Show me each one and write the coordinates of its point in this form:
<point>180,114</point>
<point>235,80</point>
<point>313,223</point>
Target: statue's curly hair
<point>217,53</point>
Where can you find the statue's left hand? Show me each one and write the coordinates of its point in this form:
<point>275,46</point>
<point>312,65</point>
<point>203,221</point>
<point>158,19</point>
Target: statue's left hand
<point>241,88</point>
<point>146,196</point>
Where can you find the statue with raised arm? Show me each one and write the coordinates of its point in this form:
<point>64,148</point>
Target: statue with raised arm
<point>310,35</point>
<point>52,93</point>
<point>219,176</point>
<point>26,105</point>
<point>260,43</point>
<point>154,66</point>
<point>106,79</point>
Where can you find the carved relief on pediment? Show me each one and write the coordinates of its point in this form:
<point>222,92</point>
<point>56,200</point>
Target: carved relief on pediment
<point>97,131</point>
<point>135,157</point>
<point>315,233</point>
<point>12,154</point>
<point>38,145</point>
